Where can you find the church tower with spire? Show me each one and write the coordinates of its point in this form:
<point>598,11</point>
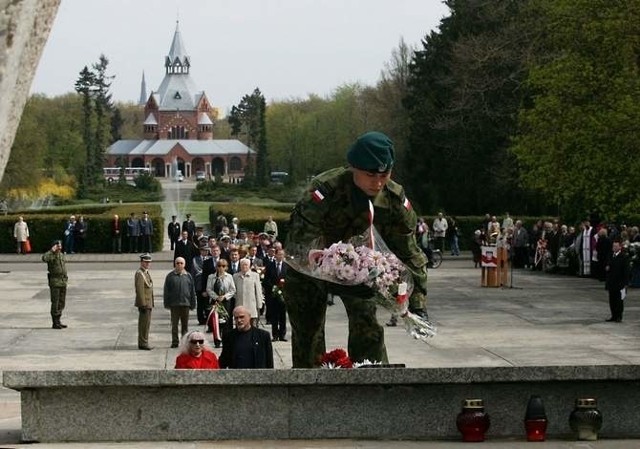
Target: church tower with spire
<point>178,128</point>
<point>178,110</point>
<point>143,91</point>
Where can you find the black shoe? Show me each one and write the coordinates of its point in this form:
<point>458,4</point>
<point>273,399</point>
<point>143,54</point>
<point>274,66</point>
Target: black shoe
<point>610,319</point>
<point>57,326</point>
<point>63,326</point>
<point>174,345</point>
<point>145,348</point>
<point>283,339</point>
<point>275,339</point>
<point>391,323</point>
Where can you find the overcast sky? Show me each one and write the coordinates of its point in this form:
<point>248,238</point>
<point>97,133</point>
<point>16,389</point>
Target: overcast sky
<point>287,48</point>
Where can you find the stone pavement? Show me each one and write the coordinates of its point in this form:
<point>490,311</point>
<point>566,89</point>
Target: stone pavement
<point>542,320</point>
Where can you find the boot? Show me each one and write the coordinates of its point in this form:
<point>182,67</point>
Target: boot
<point>57,324</point>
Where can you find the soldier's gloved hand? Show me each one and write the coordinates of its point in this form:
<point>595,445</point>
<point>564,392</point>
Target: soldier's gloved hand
<point>358,291</point>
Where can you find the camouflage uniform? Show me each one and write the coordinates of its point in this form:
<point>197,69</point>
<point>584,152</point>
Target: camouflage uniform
<point>57,283</point>
<point>339,212</point>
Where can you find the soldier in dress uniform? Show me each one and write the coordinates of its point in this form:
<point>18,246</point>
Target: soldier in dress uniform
<point>174,231</point>
<point>336,208</point>
<point>144,300</point>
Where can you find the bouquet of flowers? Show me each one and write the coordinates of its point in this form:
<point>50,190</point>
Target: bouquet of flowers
<point>366,260</point>
<point>634,254</point>
<point>338,358</point>
<point>277,292</point>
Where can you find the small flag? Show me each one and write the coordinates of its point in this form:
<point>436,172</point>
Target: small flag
<point>317,196</point>
<point>406,203</point>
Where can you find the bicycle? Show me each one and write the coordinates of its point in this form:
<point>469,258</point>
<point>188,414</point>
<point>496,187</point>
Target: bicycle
<point>434,255</point>
<point>435,260</point>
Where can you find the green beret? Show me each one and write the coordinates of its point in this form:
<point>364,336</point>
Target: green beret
<point>372,151</point>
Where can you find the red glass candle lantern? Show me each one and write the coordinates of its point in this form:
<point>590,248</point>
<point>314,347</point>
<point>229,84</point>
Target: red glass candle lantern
<point>473,422</point>
<point>535,420</point>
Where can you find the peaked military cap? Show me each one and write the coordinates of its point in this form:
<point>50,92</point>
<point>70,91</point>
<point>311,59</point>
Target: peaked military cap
<point>372,151</point>
<point>146,257</point>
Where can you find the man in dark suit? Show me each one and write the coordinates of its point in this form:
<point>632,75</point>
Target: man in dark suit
<point>185,249</point>
<point>617,279</point>
<point>246,346</point>
<point>274,275</point>
<point>146,232</point>
<point>174,231</point>
<point>234,261</point>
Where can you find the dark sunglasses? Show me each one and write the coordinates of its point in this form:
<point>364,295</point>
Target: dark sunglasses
<point>196,342</point>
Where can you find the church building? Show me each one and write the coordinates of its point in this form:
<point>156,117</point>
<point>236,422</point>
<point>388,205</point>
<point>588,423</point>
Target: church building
<point>179,129</point>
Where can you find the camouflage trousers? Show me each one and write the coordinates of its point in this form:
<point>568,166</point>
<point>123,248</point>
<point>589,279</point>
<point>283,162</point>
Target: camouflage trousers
<point>306,300</point>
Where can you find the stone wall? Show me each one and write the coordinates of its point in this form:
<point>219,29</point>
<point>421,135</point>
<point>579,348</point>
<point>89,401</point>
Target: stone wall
<point>386,404</point>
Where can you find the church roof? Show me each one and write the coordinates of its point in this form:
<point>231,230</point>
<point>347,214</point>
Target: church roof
<point>194,147</point>
<point>203,119</point>
<point>177,52</point>
<point>150,120</point>
<point>177,92</point>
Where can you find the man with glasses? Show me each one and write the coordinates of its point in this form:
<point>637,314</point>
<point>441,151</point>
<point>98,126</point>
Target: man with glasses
<point>179,298</point>
<point>144,300</point>
<point>246,346</point>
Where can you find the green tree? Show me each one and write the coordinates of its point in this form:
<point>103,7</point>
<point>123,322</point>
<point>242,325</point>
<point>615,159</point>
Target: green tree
<point>84,86</point>
<point>464,95</point>
<point>93,86</point>
<point>248,118</point>
<point>579,136</point>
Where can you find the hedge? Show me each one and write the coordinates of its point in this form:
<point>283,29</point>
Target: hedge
<point>48,225</point>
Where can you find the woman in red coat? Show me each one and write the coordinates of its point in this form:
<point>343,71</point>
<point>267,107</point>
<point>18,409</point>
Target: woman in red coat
<point>195,353</point>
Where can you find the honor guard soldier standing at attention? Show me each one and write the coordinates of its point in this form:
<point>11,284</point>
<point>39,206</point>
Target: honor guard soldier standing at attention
<point>336,208</point>
<point>57,276</point>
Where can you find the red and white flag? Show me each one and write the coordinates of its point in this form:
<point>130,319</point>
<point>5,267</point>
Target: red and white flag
<point>317,196</point>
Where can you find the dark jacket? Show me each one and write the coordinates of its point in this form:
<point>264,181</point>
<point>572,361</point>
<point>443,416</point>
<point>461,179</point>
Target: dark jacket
<point>618,273</point>
<point>179,290</point>
<point>261,344</point>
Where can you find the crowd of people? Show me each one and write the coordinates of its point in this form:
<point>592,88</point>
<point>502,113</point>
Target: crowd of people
<point>231,278</point>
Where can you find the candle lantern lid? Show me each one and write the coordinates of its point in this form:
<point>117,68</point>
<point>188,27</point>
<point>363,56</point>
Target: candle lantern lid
<point>586,403</point>
<point>535,408</point>
<point>473,404</point>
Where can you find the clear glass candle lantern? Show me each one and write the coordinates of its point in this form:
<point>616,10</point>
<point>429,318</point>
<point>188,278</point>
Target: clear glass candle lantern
<point>585,419</point>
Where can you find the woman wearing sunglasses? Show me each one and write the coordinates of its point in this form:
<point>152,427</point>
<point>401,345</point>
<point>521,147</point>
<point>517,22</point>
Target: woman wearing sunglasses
<point>195,353</point>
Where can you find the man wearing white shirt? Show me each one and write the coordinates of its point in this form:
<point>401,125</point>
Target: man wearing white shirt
<point>440,226</point>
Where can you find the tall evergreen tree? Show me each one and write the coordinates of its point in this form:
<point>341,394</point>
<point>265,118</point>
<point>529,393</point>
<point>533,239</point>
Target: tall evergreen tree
<point>248,119</point>
<point>103,107</point>
<point>84,86</point>
<point>464,94</point>
<point>93,85</point>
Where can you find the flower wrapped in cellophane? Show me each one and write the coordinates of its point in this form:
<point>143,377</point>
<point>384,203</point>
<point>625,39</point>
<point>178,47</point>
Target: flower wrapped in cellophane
<point>366,261</point>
